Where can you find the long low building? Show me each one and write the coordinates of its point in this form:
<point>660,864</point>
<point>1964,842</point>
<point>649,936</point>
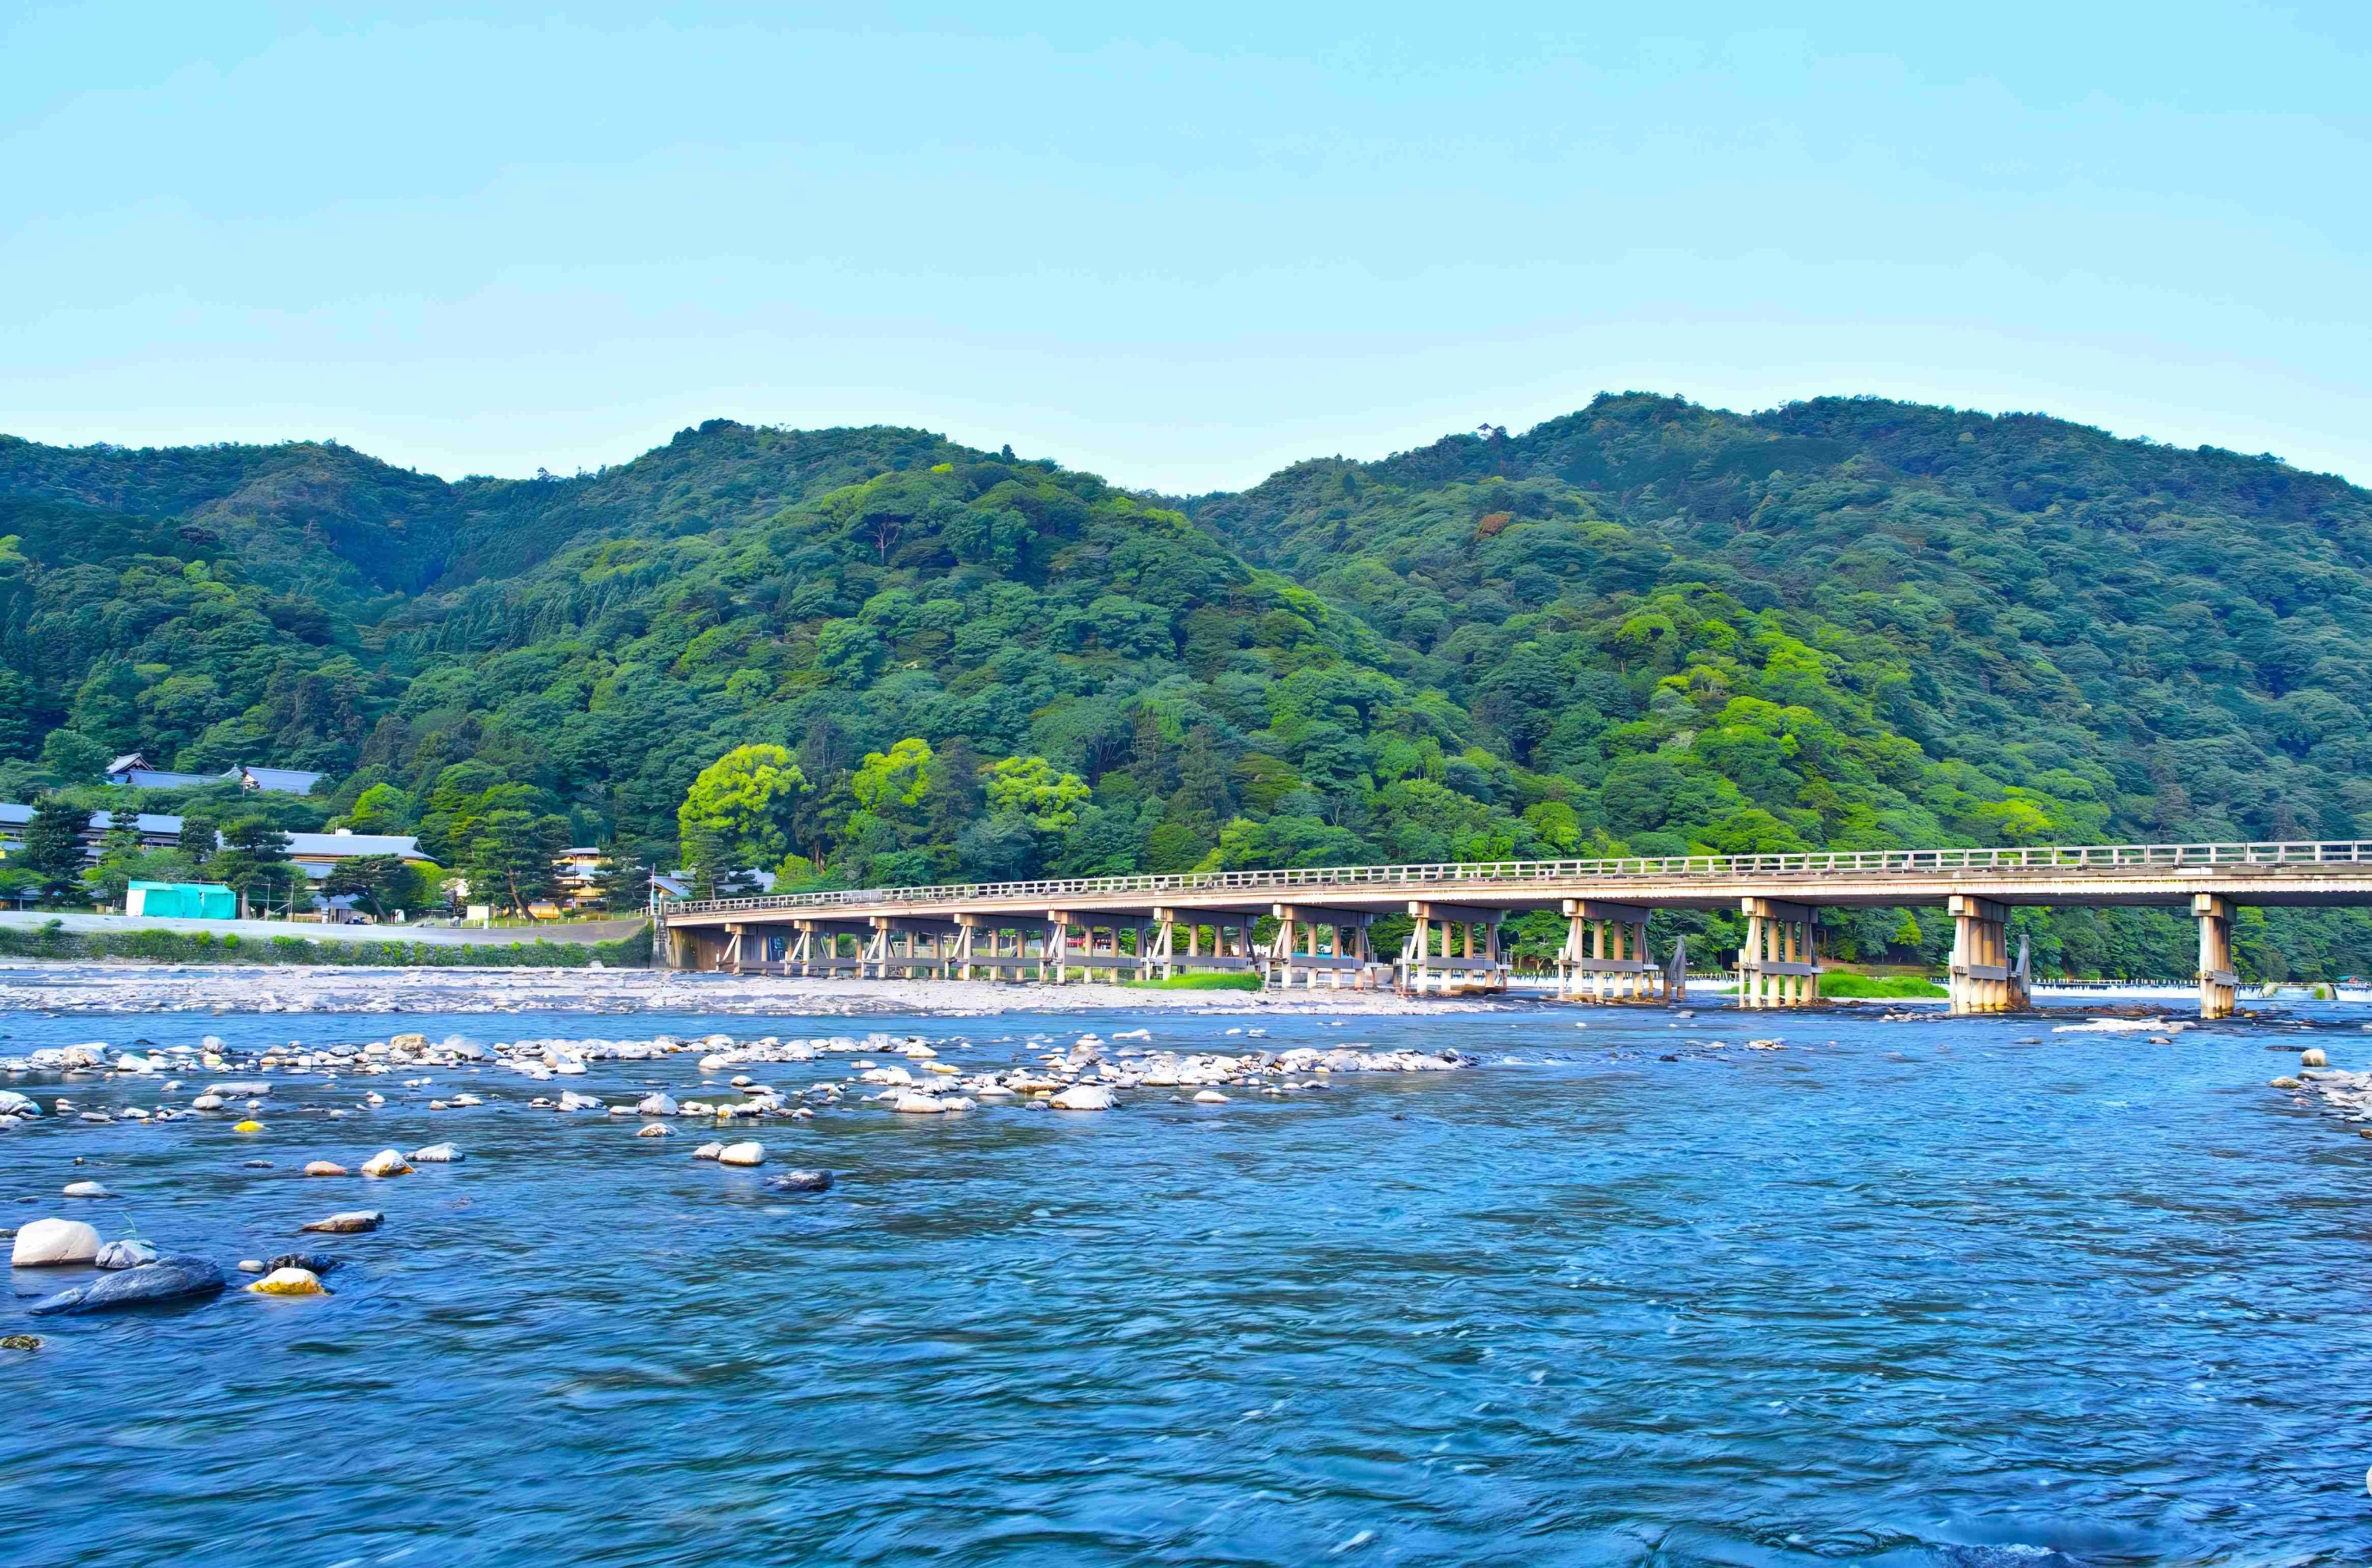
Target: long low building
<point>1207,921</point>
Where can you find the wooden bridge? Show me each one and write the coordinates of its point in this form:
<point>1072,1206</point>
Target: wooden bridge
<point>1159,926</point>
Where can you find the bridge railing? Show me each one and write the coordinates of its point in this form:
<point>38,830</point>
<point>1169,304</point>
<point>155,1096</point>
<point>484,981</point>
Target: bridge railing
<point>1483,876</point>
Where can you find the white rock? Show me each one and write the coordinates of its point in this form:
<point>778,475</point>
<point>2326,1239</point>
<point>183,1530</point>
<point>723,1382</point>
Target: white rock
<point>387,1162</point>
<point>207,1102</point>
<point>1210,1097</point>
<point>47,1242</point>
<point>438,1153</point>
<point>707,1151</point>
<point>657,1105</point>
<point>87,1189</point>
<point>914,1104</point>
<point>655,1130</point>
<point>749,1153</point>
<point>2313,1057</point>
<point>125,1255</point>
<point>1083,1096</point>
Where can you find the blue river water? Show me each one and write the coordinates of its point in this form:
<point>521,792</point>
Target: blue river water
<point>1899,1293</point>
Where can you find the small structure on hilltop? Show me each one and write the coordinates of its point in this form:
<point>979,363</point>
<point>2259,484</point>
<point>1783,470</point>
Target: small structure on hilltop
<point>132,769</point>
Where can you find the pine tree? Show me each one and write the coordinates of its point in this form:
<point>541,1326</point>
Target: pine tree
<point>53,846</point>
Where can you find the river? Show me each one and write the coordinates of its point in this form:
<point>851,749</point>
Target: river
<point>1903,1293</point>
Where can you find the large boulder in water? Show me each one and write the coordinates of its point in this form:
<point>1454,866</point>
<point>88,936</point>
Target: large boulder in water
<point>289,1282</point>
<point>802,1181</point>
<point>348,1223</point>
<point>166,1280</point>
<point>48,1243</point>
<point>125,1255</point>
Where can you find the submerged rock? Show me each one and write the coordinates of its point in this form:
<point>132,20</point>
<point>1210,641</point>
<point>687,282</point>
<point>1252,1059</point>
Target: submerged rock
<point>325,1168</point>
<point>52,1243</point>
<point>125,1255</point>
<point>348,1223</point>
<point>20,1341</point>
<point>319,1262</point>
<point>802,1181</point>
<point>168,1279</point>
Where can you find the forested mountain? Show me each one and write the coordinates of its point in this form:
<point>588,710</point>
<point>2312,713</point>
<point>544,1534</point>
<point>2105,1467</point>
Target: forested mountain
<point>1646,626</point>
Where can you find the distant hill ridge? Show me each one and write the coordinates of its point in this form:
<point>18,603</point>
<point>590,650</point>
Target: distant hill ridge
<point>1645,625</point>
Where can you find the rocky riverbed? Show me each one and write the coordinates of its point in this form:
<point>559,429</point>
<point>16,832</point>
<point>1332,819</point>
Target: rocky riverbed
<point>130,987</point>
<point>259,1089</point>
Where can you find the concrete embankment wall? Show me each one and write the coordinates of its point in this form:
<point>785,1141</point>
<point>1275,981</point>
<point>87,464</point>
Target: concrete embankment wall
<point>82,938</point>
<point>587,932</point>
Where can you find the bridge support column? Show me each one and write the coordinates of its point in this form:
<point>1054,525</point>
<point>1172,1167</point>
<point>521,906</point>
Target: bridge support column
<point>1780,964</point>
<point>1605,953</point>
<point>2219,987</point>
<point>1054,952</point>
<point>1457,966</point>
<point>1983,979</point>
<point>1312,942</point>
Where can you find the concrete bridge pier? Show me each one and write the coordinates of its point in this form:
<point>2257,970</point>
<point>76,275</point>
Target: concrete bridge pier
<point>1780,965</point>
<point>1457,966</point>
<point>1605,953</point>
<point>1983,979</point>
<point>1314,942</point>
<point>2219,987</point>
<point>815,947</point>
<point>1230,945</point>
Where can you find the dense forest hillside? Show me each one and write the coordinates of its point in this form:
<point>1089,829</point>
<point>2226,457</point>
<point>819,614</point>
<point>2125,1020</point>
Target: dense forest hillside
<point>1647,626</point>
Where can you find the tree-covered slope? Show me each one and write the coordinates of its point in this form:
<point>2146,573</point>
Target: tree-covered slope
<point>1646,626</point>
<point>2125,638</point>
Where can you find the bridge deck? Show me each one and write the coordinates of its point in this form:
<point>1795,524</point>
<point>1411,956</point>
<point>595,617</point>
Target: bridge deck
<point>2164,875</point>
<point>1323,915</point>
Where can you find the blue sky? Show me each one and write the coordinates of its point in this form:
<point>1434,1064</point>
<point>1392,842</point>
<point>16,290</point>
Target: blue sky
<point>1179,251</point>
